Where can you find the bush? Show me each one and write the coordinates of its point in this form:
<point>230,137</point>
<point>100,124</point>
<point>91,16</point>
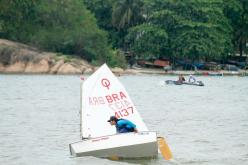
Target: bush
<point>117,59</point>
<point>5,55</point>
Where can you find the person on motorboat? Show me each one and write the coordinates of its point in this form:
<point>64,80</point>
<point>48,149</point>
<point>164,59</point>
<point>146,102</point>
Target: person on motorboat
<point>181,79</point>
<point>122,125</point>
<point>191,79</point>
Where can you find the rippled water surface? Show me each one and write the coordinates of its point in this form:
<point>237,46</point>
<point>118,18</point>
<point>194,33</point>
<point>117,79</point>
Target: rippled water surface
<point>39,117</point>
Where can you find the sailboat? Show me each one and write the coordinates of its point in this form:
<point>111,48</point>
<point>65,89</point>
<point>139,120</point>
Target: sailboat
<point>102,96</point>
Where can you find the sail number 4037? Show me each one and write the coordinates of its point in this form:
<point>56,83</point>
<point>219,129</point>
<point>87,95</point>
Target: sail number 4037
<point>124,112</point>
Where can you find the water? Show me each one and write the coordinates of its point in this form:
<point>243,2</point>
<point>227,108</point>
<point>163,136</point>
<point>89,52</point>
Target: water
<point>39,117</point>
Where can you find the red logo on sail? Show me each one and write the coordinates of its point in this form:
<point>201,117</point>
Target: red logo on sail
<point>105,82</point>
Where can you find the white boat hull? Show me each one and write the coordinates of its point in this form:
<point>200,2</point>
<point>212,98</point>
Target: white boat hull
<point>126,145</point>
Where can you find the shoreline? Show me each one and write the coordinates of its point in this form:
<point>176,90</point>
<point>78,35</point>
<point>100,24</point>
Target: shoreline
<point>187,73</point>
<point>17,58</point>
<point>137,71</point>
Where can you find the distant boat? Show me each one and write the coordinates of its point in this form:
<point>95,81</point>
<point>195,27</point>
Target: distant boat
<point>196,83</point>
<point>102,96</point>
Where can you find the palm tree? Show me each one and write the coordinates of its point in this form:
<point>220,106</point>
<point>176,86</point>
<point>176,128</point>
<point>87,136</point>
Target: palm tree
<point>126,13</point>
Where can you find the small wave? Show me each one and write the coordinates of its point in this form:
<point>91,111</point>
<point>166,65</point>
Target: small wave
<point>195,161</point>
<point>161,83</point>
<point>201,141</point>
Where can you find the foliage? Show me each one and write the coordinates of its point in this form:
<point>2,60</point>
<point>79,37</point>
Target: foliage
<point>147,40</point>
<point>70,29</point>
<point>5,54</point>
<point>117,59</point>
<point>18,19</point>
<point>102,11</point>
<point>56,25</point>
<point>190,29</point>
<point>195,30</point>
<point>237,13</point>
<point>127,13</point>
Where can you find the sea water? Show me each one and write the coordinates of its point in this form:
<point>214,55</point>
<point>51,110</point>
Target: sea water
<point>39,118</point>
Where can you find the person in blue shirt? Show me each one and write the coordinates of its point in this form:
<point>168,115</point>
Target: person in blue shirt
<point>122,125</point>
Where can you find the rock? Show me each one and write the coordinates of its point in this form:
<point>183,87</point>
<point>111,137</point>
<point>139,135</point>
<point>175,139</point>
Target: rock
<point>20,58</point>
<point>88,71</point>
<point>117,70</point>
<point>54,69</point>
<point>68,69</point>
<point>17,67</point>
<point>2,68</point>
<point>40,67</point>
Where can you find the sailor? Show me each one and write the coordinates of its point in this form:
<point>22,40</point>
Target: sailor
<point>122,125</point>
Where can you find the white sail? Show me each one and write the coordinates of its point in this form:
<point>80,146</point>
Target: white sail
<point>104,96</point>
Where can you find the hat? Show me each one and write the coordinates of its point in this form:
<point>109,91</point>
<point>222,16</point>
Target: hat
<point>112,118</point>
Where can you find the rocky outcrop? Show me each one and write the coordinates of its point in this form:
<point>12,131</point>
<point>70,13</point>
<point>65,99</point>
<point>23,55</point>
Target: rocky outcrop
<point>20,58</point>
<point>15,68</point>
<point>69,69</point>
<point>54,69</point>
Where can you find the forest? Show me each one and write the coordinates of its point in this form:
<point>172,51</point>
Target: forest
<point>105,30</point>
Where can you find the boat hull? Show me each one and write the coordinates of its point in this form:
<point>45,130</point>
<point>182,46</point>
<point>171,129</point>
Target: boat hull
<point>126,145</point>
<point>197,83</point>
<point>173,82</point>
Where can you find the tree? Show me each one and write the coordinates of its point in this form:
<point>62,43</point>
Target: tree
<point>56,25</point>
<point>18,19</point>
<point>102,9</point>
<point>196,30</point>
<point>237,13</point>
<point>147,41</point>
<point>127,13</point>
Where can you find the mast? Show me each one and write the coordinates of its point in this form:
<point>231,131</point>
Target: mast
<point>80,111</point>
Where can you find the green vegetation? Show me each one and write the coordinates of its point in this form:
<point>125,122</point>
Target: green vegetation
<point>99,30</point>
<point>5,56</point>
<point>55,25</point>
